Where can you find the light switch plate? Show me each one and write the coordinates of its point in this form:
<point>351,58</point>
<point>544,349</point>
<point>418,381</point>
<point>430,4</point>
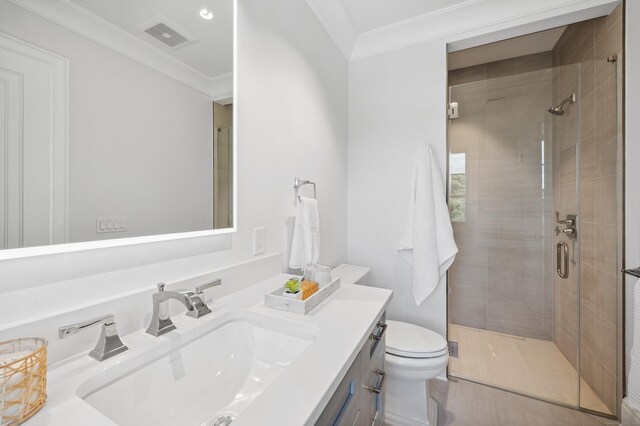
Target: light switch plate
<point>258,241</point>
<point>111,224</point>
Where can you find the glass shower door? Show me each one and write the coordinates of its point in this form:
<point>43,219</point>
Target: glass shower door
<point>535,189</point>
<point>515,320</point>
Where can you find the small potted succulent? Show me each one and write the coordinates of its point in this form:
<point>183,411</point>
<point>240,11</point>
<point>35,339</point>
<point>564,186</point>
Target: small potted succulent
<point>293,288</point>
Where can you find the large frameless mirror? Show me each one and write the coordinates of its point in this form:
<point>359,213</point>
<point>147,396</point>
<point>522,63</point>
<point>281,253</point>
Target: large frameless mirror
<point>117,120</point>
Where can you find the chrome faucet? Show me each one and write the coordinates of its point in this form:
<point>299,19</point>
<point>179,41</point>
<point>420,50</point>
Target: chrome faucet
<point>161,322</point>
<point>109,343</point>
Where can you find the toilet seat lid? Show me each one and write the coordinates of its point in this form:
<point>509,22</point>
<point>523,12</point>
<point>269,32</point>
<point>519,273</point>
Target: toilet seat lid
<point>412,341</point>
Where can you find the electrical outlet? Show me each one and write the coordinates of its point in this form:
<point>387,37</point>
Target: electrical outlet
<point>258,241</point>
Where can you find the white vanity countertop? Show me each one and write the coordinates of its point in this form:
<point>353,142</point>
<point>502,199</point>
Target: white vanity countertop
<point>296,397</point>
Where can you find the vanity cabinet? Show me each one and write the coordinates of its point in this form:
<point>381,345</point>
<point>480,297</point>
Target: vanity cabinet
<point>359,398</point>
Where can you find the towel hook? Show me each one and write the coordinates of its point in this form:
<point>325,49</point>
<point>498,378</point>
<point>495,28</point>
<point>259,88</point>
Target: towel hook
<point>297,184</point>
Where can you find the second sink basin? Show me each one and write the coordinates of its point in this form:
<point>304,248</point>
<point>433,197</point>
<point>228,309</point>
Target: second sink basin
<point>210,379</point>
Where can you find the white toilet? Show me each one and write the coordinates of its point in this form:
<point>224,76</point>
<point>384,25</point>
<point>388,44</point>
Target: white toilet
<point>414,356</point>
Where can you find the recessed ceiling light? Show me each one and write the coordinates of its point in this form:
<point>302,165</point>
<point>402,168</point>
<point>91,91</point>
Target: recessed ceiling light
<point>206,14</point>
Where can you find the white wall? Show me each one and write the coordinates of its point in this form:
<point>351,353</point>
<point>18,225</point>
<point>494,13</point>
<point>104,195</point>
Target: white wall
<point>292,112</point>
<point>396,102</point>
<point>632,154</point>
<point>292,109</point>
<point>140,143</point>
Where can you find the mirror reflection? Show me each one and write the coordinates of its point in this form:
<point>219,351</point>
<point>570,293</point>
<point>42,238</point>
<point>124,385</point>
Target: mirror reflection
<point>116,119</point>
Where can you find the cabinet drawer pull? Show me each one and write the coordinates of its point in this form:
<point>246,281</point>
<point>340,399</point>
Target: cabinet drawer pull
<point>381,331</point>
<point>377,388</point>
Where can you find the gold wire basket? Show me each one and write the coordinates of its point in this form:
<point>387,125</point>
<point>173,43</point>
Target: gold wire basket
<point>23,379</point>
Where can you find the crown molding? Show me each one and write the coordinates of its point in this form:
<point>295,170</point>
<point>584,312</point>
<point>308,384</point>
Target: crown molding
<point>222,87</point>
<point>461,25</point>
<point>337,22</point>
<point>92,27</point>
<point>548,18</point>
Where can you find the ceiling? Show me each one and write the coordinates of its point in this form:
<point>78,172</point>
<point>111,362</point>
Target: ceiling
<point>539,42</point>
<point>211,54</point>
<point>367,15</point>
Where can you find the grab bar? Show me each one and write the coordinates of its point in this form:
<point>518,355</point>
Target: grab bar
<point>562,259</point>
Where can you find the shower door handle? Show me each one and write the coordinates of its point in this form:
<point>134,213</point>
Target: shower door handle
<point>562,259</point>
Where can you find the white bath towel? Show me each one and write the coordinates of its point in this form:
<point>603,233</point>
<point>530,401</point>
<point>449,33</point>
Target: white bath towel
<point>427,242</point>
<point>305,246</point>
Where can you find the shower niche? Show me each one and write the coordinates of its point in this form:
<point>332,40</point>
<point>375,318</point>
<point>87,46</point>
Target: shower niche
<point>535,196</point>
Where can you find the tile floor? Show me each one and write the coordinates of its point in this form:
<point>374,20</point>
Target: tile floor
<point>464,403</point>
<point>529,366</point>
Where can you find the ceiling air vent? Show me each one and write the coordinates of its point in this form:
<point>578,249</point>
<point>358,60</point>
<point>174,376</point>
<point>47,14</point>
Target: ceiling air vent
<point>166,35</point>
<point>165,31</point>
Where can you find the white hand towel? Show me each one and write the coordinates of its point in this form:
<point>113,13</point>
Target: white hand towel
<point>305,246</point>
<point>427,242</point>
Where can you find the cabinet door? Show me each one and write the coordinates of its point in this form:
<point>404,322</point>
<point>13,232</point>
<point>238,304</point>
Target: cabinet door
<point>343,406</point>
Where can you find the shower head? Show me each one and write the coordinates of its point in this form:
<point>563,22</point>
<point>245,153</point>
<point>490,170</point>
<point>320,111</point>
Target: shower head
<point>558,110</point>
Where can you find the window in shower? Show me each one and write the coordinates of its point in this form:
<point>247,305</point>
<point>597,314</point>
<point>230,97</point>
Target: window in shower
<point>457,186</point>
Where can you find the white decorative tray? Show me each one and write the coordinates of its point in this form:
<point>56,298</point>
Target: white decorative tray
<point>276,300</point>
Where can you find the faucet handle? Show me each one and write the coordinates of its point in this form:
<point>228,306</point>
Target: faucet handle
<point>161,287</point>
<point>109,343</point>
<point>201,288</point>
<point>200,293</point>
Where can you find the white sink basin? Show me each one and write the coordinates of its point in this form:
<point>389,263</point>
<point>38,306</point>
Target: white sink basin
<point>214,375</point>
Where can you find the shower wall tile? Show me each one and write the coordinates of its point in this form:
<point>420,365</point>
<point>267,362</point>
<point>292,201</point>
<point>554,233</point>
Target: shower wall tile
<point>598,377</point>
<point>576,40</point>
<point>605,296</point>
<point>566,170</point>
<point>568,313</point>
<point>587,201</point>
<point>470,259</point>
<point>588,285</point>
<point>587,243</point>
<point>606,254</point>
<point>469,287</point>
<point>607,152</point>
<point>497,69</point>
<point>605,344</point>
<point>516,263</point>
<point>528,63</point>
<point>587,73</point>
<point>588,336</point>
<point>468,75</point>
<point>606,109</point>
<point>568,345</point>
<point>609,42</point>
<point>587,115</point>
<point>587,158</point>
<point>605,193</point>
<point>469,314</point>
<point>504,247</point>
<point>606,23</point>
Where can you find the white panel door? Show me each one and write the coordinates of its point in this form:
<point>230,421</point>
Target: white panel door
<point>29,162</point>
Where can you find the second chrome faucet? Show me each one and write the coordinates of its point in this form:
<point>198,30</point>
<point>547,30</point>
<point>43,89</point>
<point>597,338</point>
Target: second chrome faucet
<point>194,302</point>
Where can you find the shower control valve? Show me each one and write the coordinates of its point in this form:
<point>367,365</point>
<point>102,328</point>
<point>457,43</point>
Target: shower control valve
<point>570,223</point>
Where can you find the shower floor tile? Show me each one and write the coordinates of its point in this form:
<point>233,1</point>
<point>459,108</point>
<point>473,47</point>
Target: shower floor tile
<point>524,365</point>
